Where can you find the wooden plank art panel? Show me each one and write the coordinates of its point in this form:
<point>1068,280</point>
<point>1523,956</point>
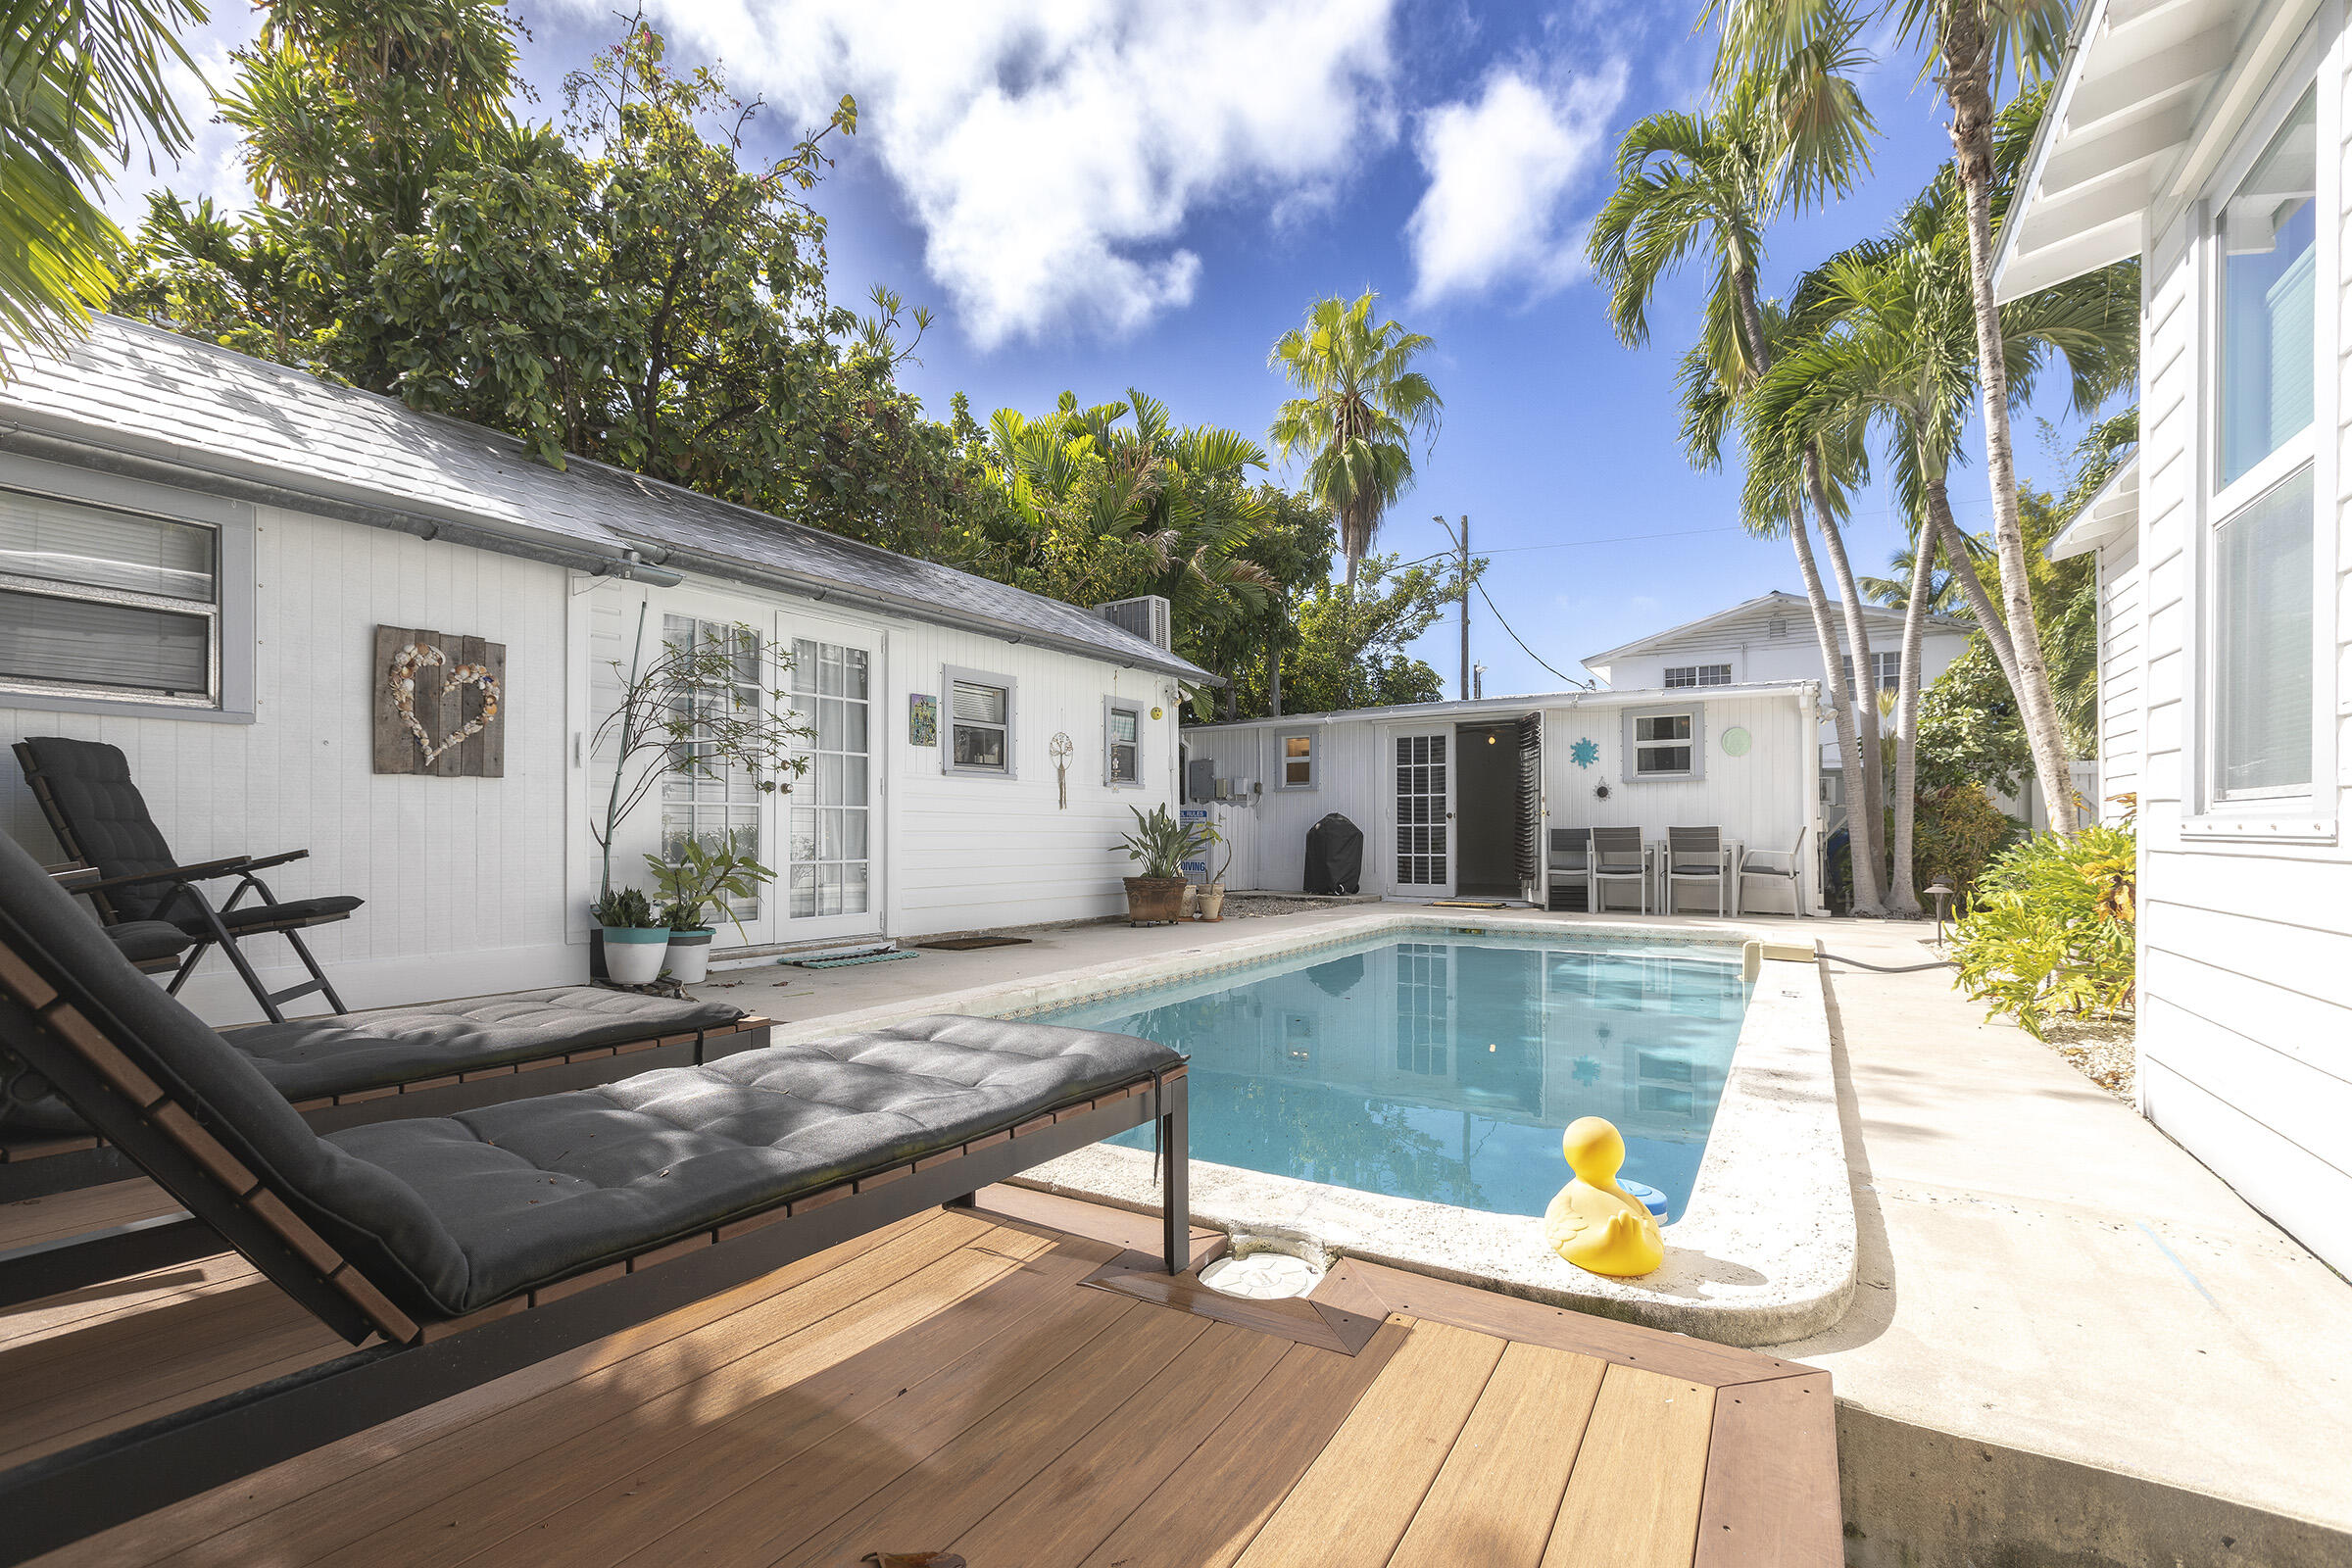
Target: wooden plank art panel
<point>453,724</point>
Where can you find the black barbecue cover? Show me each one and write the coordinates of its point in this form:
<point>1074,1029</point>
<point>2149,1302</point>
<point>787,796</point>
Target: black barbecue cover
<point>1335,856</point>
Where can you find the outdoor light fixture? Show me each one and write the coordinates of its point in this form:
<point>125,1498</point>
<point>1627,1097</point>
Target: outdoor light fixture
<point>1942,892</point>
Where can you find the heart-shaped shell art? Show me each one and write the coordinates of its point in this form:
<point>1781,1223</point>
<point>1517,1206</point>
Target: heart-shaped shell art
<point>403,683</point>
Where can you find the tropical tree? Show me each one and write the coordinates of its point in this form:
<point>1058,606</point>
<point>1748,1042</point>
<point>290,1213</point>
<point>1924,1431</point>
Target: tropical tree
<point>1970,47</point>
<point>1361,405</point>
<point>77,82</point>
<point>1691,182</point>
<point>1944,595</point>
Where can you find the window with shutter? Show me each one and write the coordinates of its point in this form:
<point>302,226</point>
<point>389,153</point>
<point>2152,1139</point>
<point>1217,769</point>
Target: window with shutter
<point>980,717</point>
<point>108,603</point>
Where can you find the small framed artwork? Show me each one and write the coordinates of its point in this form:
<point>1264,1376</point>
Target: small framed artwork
<point>922,719</point>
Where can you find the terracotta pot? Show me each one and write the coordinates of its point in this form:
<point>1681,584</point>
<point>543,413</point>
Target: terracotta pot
<point>1155,899</point>
<point>1212,903</point>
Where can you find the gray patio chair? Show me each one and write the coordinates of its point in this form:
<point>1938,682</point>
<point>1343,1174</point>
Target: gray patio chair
<point>1617,856</point>
<point>1777,868</point>
<point>1695,855</point>
<point>1570,862</point>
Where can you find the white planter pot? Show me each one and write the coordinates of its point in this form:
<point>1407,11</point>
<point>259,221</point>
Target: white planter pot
<point>690,956</point>
<point>634,956</point>
<point>1212,903</point>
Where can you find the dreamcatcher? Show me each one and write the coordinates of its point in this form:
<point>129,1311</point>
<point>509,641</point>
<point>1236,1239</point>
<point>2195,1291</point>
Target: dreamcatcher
<point>1060,748</point>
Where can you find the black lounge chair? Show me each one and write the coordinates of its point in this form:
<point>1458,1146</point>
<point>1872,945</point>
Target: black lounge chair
<point>154,946</point>
<point>100,818</point>
<point>455,1250</point>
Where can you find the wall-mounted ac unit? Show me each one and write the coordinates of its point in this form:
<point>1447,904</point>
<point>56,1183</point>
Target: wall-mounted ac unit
<point>1146,616</point>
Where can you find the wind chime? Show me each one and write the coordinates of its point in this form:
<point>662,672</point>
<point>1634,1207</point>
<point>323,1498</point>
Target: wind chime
<point>1060,748</point>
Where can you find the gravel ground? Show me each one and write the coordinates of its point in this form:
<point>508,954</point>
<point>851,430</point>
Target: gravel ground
<point>1251,909</point>
<point>2101,1052</point>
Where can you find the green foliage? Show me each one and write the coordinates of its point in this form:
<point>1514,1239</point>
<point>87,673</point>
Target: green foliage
<point>2051,928</point>
<point>1350,647</point>
<point>704,875</point>
<point>626,908</point>
<point>1163,844</point>
<point>1968,728</point>
<point>1957,831</point>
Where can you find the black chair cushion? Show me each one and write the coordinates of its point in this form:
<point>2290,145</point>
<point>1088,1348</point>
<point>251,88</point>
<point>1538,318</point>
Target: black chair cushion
<point>250,917</point>
<point>534,1190</point>
<point>343,1053</point>
<point>90,784</point>
<point>144,941</point>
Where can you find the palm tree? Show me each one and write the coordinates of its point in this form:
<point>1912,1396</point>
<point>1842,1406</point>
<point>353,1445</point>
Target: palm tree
<point>1693,181</point>
<point>1361,406</point>
<point>1941,584</point>
<point>1971,46</point>
<point>77,82</point>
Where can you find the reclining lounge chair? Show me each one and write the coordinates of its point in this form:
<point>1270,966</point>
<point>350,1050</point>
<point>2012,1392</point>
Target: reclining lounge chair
<point>454,1250</point>
<point>100,818</point>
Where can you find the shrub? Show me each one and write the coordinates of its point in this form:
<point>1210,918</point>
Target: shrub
<point>2051,928</point>
<point>1955,831</point>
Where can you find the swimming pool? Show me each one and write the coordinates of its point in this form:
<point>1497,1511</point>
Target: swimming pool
<point>1442,1067</point>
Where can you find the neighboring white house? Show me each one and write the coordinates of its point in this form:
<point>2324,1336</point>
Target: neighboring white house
<point>1453,799</point>
<point>2207,138</point>
<point>197,550</point>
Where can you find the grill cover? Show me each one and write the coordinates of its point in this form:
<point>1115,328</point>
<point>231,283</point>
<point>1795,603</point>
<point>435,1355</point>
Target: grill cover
<point>1335,856</point>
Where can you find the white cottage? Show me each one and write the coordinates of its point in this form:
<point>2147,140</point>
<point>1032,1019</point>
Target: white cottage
<point>198,551</point>
<point>1455,798</point>
<point>2207,138</point>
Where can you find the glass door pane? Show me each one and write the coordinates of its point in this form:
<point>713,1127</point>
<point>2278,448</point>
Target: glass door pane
<point>831,869</point>
<point>1424,812</point>
<point>702,799</point>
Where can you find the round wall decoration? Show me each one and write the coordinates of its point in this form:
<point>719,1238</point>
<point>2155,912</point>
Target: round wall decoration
<point>1585,752</point>
<point>1736,741</point>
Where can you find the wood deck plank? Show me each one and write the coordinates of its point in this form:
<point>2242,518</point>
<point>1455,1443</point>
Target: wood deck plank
<point>75,1310</point>
<point>1249,1463</point>
<point>1772,1479</point>
<point>28,1220</point>
<point>1632,1500</point>
<point>1495,1501</point>
<point>1357,1500</point>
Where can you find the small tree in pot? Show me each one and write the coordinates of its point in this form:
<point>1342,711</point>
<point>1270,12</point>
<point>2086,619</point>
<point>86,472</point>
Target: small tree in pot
<point>1162,844</point>
<point>708,875</point>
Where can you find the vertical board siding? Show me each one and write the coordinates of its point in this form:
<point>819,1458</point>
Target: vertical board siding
<point>462,876</point>
<point>2122,653</point>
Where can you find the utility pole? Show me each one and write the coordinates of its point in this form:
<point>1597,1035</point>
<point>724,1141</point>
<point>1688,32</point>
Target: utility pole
<point>1461,547</point>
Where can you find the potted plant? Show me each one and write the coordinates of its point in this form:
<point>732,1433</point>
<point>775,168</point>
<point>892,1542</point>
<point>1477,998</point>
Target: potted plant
<point>1162,844</point>
<point>1213,897</point>
<point>707,876</point>
<point>635,942</point>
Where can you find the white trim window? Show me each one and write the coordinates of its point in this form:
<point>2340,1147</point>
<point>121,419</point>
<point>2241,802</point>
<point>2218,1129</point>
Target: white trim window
<point>1885,667</point>
<point>1122,743</point>
<point>1665,743</point>
<point>2262,510</point>
<point>981,709</point>
<point>107,603</point>
<point>1295,760</point>
<point>1680,675</point>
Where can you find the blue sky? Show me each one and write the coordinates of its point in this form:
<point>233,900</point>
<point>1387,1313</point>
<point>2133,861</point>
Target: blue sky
<point>1097,194</point>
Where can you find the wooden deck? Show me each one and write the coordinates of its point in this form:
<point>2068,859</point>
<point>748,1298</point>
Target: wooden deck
<point>949,1383</point>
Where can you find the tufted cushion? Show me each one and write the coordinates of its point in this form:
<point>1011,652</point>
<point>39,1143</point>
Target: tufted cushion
<point>250,916</point>
<point>534,1189</point>
<point>106,815</point>
<point>343,1053</point>
<point>142,941</point>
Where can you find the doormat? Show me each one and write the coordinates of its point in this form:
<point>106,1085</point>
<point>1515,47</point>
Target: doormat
<point>1465,903</point>
<point>843,963</point>
<point>968,943</point>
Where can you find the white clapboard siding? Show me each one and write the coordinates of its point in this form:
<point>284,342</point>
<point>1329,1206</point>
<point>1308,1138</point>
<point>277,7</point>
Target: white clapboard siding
<point>2122,675</point>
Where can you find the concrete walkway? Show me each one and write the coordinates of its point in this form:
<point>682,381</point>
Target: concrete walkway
<point>2073,1344</point>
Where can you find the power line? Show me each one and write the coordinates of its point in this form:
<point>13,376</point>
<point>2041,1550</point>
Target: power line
<point>1521,641</point>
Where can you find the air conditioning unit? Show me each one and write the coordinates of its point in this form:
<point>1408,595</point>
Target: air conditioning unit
<point>1146,617</point>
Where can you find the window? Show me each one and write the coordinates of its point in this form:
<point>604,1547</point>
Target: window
<point>1665,743</point>
<point>2262,505</point>
<point>1697,676</point>
<point>980,723</point>
<point>1886,666</point>
<point>1296,755</point>
<point>108,603</point>
<point>722,809</point>
<point>1122,744</point>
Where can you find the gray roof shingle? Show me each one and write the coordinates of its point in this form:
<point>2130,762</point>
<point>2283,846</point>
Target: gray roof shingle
<point>211,412</point>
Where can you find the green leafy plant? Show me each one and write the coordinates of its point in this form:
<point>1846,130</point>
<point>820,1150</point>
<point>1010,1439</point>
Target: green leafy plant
<point>625,909</point>
<point>1164,844</point>
<point>2051,930</point>
<point>1959,831</point>
<point>707,876</point>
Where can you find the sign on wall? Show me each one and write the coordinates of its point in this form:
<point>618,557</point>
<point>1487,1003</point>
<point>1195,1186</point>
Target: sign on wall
<point>922,719</point>
<point>437,704</point>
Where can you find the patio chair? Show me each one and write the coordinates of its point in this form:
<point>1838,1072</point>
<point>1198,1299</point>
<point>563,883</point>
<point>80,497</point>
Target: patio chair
<point>1776,870</point>
<point>1618,856</point>
<point>100,818</point>
<point>1569,863</point>
<point>471,1246</point>
<point>1695,855</point>
<point>154,947</point>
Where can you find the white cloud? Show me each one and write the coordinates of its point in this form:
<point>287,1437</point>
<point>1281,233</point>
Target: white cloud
<point>212,163</point>
<point>1052,150</point>
<point>1501,171</point>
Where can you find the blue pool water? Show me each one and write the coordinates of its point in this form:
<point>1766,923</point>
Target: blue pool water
<point>1445,1070</point>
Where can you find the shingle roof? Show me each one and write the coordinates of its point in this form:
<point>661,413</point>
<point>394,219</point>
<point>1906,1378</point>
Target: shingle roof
<point>214,414</point>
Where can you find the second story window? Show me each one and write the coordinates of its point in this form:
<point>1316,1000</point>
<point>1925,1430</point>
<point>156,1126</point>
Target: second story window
<point>1677,676</point>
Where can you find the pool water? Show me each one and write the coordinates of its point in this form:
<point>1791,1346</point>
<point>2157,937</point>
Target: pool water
<point>1445,1070</point>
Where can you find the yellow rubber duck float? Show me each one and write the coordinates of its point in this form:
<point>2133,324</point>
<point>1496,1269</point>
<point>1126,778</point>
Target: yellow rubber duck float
<point>1592,1222</point>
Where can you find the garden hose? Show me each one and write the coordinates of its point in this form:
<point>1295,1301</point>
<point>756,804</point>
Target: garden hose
<point>1893,969</point>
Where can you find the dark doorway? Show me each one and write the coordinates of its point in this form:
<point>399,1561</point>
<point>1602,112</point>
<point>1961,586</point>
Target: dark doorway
<point>1485,810</point>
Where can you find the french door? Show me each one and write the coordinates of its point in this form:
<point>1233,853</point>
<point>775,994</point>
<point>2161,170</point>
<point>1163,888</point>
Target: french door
<point>830,878</point>
<point>1423,821</point>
